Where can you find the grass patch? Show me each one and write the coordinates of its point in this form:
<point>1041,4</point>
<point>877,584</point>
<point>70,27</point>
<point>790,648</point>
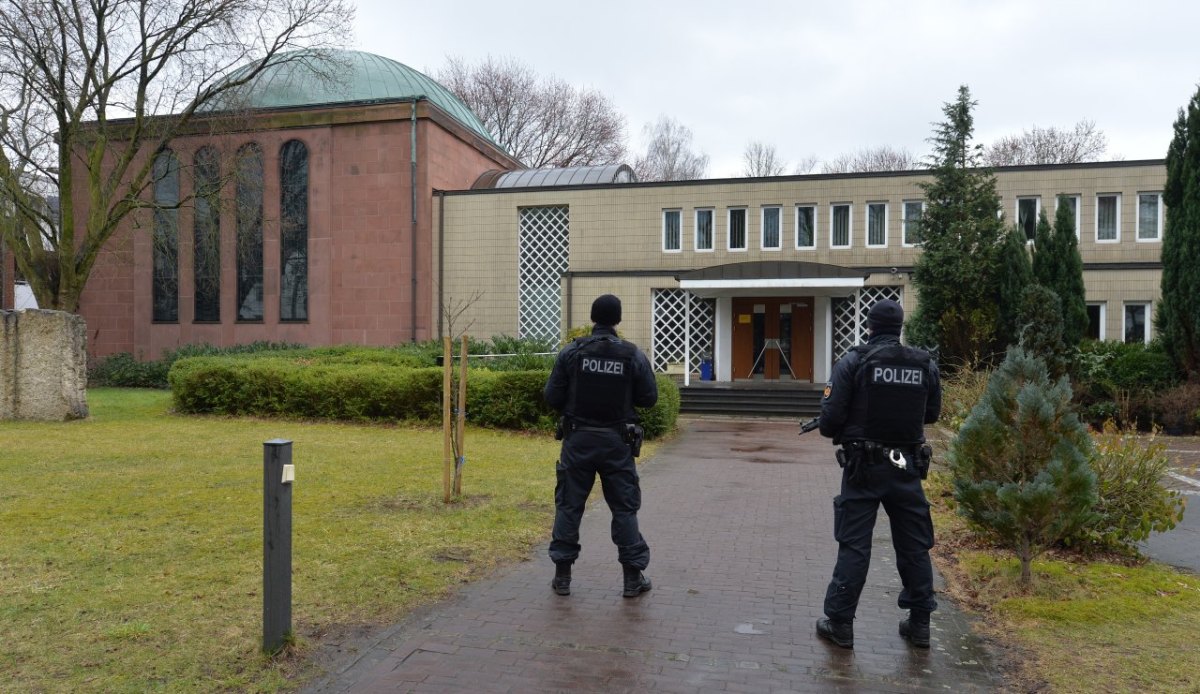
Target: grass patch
<point>1100,626</point>
<point>131,542</point>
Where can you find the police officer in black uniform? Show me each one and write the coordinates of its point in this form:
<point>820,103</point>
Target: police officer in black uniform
<point>876,404</point>
<point>596,382</point>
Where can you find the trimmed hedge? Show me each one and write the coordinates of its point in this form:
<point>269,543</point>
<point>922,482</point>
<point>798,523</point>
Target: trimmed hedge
<point>348,386</point>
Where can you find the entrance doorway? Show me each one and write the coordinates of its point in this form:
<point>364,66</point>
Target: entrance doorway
<point>773,338</point>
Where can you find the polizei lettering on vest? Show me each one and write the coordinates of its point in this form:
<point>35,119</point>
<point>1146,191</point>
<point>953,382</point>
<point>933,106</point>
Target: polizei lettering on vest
<point>611,367</point>
<point>898,376</point>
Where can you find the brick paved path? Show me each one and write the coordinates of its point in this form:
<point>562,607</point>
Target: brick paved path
<point>738,515</point>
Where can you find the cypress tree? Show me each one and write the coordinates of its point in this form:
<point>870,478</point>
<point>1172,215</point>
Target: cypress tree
<point>1045,252</point>
<point>1178,315</point>
<point>1069,283</point>
<point>1015,277</point>
<point>956,273</point>
<point>1020,461</point>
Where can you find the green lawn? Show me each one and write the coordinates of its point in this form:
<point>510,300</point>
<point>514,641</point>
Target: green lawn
<point>131,543</point>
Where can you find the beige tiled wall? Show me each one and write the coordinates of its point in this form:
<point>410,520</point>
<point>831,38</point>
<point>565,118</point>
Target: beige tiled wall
<point>619,228</point>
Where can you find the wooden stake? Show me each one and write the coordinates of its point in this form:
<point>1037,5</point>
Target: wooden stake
<point>447,449</point>
<point>461,460</point>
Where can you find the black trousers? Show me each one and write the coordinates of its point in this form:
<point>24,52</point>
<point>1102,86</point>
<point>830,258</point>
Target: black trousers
<point>854,512</point>
<point>586,454</point>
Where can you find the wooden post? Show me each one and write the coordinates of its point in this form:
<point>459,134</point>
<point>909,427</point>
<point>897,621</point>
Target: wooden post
<point>277,543</point>
<point>461,460</point>
<point>447,448</point>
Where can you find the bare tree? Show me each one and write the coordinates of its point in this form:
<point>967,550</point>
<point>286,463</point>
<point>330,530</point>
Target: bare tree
<point>1050,145</point>
<point>542,121</point>
<point>806,165</point>
<point>669,155</point>
<point>762,160</point>
<point>89,92</point>
<point>882,158</point>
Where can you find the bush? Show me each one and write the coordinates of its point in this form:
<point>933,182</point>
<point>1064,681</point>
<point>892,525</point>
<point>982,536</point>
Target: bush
<point>509,400</point>
<point>1177,409</point>
<point>961,392</point>
<point>661,418</point>
<point>1132,499</point>
<point>1128,375</point>
<point>124,370</point>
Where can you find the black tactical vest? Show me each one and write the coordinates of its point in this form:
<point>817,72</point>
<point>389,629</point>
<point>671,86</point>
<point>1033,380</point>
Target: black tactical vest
<point>895,380</point>
<point>602,381</point>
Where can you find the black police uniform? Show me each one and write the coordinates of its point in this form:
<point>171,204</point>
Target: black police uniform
<point>595,384</point>
<point>875,405</point>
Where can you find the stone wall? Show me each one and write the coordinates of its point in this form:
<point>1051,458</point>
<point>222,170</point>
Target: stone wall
<point>43,365</point>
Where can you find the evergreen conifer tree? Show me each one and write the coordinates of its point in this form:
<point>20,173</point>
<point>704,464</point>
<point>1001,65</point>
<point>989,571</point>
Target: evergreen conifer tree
<point>1045,253</point>
<point>1041,333</point>
<point>956,273</point>
<point>1070,275</point>
<point>1178,315</point>
<point>1020,461</point>
<point>1016,276</point>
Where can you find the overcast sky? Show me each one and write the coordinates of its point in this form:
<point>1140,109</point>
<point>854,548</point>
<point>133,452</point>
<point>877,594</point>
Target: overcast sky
<point>826,78</point>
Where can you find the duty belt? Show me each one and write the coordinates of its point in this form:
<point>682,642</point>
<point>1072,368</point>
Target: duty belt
<point>875,452</point>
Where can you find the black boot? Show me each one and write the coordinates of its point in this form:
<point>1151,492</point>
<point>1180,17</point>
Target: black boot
<point>841,633</point>
<point>636,583</point>
<point>562,579</point>
<point>915,629</point>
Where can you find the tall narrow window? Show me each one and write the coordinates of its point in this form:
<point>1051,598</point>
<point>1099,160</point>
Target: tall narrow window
<point>839,226</point>
<point>806,226</point>
<point>293,231</point>
<point>737,229</point>
<point>1071,201</point>
<point>771,236</point>
<point>1137,323</point>
<point>672,234</point>
<point>206,235</point>
<point>1108,218</point>
<point>704,230</point>
<point>1095,329</point>
<point>249,212</point>
<point>166,237</point>
<point>1027,216</point>
<point>877,224</point>
<point>1149,217</point>
<point>913,211</point>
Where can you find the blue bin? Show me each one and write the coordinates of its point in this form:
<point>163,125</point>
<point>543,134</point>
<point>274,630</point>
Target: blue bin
<point>706,373</point>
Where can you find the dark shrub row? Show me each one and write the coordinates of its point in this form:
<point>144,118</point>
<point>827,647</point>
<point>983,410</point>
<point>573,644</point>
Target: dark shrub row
<point>350,386</point>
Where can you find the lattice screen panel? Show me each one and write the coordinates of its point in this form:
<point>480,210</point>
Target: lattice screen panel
<point>669,328</point>
<point>850,316</point>
<point>542,260</point>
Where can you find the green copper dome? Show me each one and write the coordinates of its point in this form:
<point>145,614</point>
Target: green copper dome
<point>302,78</point>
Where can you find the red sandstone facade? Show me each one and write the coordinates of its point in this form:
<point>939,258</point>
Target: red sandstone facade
<point>370,262</point>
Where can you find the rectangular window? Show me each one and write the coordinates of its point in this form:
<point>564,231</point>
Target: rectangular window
<point>877,224</point>
<point>1072,201</point>
<point>1108,218</point>
<point>1027,215</point>
<point>839,226</point>
<point>1137,323</point>
<point>704,230</point>
<point>1095,329</point>
<point>672,234</point>
<point>913,211</point>
<point>771,236</point>
<point>806,226</point>
<point>1149,217</point>
<point>737,229</point>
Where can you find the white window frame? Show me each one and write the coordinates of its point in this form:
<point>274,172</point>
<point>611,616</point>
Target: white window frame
<point>849,224</point>
<point>762,228</point>
<point>1117,237</point>
<point>1078,215</point>
<point>1137,226</point>
<point>904,221</point>
<point>1103,316</point>
<point>867,225</point>
<point>1149,320</point>
<point>1037,214</point>
<point>729,230</point>
<point>813,227</point>
<point>679,216</point>
<point>712,230</point>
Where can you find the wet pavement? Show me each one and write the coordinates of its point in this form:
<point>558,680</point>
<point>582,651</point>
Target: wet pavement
<point>1180,547</point>
<point>738,515</point>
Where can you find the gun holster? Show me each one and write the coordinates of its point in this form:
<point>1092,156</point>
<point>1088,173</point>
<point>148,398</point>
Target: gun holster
<point>854,458</point>
<point>560,428</point>
<point>924,458</point>
<point>634,435</point>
